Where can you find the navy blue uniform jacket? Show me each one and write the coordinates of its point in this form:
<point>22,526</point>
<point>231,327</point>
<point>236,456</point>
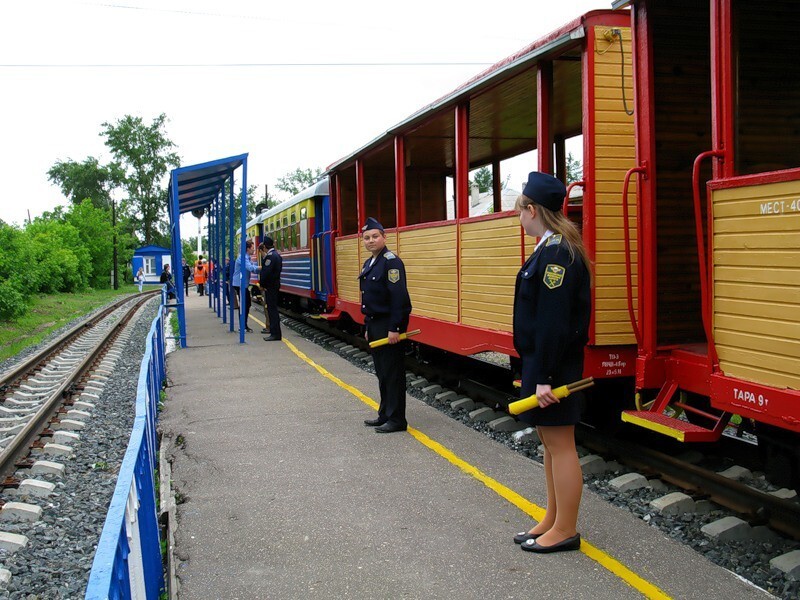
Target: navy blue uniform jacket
<point>384,292</point>
<point>552,308</point>
<point>270,276</point>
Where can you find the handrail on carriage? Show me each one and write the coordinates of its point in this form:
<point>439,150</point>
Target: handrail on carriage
<point>565,208</point>
<point>701,248</point>
<point>641,170</point>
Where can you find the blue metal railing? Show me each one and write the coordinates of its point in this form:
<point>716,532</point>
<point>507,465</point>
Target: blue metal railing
<point>127,563</point>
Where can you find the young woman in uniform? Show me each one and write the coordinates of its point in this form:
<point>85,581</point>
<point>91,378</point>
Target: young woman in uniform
<point>552,308</point>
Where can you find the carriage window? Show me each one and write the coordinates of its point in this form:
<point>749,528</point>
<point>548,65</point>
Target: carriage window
<point>767,87</point>
<point>304,227</point>
<point>293,231</point>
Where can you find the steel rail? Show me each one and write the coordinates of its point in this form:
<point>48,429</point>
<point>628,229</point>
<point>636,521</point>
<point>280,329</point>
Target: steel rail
<point>20,445</point>
<point>26,366</point>
<point>755,506</point>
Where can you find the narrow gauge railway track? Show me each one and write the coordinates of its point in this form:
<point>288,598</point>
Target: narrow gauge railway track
<point>751,504</point>
<point>34,391</point>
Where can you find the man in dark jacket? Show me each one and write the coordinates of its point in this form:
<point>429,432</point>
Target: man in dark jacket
<point>270,281</point>
<point>386,305</point>
<point>187,273</point>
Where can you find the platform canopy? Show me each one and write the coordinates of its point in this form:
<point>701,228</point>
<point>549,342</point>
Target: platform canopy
<point>198,185</point>
<point>201,187</point>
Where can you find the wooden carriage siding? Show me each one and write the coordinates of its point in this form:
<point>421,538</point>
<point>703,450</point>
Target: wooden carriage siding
<point>756,282</point>
<point>615,153</point>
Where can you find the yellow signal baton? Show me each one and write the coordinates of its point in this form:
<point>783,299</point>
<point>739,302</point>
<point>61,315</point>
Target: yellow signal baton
<point>520,406</point>
<point>385,341</point>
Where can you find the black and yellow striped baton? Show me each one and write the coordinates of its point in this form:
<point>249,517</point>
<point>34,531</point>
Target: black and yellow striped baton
<point>385,341</point>
<point>520,406</point>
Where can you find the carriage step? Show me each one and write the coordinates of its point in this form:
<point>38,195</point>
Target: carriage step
<point>682,431</point>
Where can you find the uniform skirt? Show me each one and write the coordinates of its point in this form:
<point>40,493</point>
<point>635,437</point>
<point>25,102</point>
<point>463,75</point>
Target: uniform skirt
<point>568,410</point>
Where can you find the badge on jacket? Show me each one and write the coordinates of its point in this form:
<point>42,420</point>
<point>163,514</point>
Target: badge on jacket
<point>553,276</point>
<point>394,275</point>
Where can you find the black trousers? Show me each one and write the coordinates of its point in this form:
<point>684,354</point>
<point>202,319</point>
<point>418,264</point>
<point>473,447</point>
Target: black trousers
<point>247,303</point>
<point>391,371</point>
<point>201,288</point>
<point>271,304</point>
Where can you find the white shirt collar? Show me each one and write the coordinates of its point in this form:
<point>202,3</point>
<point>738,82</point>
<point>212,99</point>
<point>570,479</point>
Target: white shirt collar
<point>546,235</point>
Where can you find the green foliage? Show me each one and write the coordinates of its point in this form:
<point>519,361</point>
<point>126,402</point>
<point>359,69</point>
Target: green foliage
<point>97,234</point>
<point>483,178</point>
<point>143,157</point>
<point>298,180</point>
<point>574,169</point>
<point>61,261</point>
<point>89,179</point>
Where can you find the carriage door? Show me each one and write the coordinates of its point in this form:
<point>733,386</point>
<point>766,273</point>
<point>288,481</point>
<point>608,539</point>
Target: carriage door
<point>322,247</point>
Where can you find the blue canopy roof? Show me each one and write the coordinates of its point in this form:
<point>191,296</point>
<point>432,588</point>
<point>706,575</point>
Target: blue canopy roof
<point>199,184</point>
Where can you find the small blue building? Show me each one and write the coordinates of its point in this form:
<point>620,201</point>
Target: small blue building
<point>153,259</point>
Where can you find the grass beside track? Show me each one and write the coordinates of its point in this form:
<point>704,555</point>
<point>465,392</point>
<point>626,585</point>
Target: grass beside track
<point>49,312</point>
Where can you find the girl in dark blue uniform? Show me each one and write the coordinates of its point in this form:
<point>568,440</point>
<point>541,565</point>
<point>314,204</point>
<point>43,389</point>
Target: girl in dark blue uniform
<point>552,308</point>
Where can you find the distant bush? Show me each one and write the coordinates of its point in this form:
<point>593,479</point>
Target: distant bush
<point>13,304</point>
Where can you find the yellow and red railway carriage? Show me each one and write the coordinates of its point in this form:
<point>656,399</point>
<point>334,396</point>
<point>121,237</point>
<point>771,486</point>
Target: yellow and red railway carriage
<point>462,251</point>
<point>718,148</point>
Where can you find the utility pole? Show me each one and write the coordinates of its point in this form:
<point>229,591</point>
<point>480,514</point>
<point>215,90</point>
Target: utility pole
<point>114,227</point>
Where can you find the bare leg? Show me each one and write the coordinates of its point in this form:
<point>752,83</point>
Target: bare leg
<point>564,483</point>
<point>552,508</point>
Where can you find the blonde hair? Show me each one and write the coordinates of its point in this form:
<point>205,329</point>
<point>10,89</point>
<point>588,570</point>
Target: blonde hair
<point>555,221</point>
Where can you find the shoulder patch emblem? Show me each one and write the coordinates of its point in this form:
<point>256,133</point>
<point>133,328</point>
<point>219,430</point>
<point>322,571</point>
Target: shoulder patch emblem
<point>268,261</point>
<point>389,255</point>
<point>554,276</point>
<point>553,240</point>
<point>394,275</point>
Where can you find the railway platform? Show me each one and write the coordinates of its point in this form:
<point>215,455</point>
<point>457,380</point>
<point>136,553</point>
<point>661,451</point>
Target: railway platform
<point>286,494</point>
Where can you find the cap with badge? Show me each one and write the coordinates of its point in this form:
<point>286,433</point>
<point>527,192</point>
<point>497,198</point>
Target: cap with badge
<point>269,242</point>
<point>545,190</point>
<point>371,223</point>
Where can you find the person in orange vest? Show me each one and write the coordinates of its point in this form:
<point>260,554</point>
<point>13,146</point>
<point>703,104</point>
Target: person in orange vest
<point>200,276</point>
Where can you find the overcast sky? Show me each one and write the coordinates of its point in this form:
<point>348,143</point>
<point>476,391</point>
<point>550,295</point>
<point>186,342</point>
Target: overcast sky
<point>284,81</point>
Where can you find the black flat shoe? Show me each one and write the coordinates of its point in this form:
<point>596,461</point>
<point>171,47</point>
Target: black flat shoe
<point>272,338</point>
<point>265,330</point>
<point>390,428</point>
<point>248,330</point>
<point>572,543</point>
<point>374,422</point>
<point>524,536</point>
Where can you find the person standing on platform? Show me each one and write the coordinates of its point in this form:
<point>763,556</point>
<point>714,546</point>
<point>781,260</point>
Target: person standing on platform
<point>270,281</point>
<point>552,308</point>
<point>246,265</point>
<point>200,276</point>
<point>166,279</point>
<point>187,273</point>
<point>386,306</point>
<point>228,279</point>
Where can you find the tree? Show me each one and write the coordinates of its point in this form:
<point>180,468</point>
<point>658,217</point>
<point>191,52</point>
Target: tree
<point>298,180</point>
<point>96,232</point>
<point>574,169</point>
<point>143,156</point>
<point>483,179</point>
<point>88,179</point>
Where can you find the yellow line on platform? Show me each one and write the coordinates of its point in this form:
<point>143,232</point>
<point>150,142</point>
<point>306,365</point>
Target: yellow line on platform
<point>537,512</point>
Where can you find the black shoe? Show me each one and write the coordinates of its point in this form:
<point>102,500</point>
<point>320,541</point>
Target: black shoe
<point>390,427</point>
<point>264,330</point>
<point>572,543</point>
<point>248,330</point>
<point>524,536</point>
<point>272,338</point>
<point>374,422</point>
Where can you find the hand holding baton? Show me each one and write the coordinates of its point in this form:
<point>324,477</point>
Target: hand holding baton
<point>385,341</point>
<point>520,406</point>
